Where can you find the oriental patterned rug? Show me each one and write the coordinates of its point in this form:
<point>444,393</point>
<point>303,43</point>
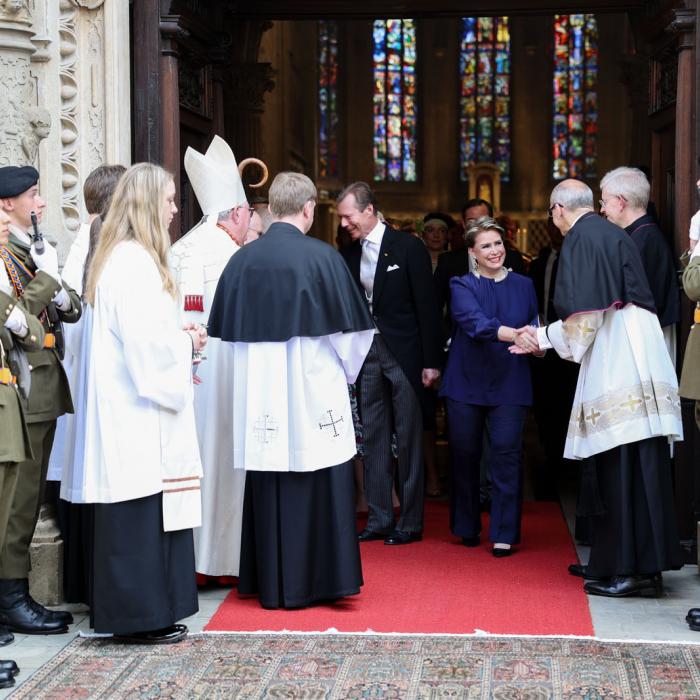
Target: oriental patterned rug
<point>241,665</point>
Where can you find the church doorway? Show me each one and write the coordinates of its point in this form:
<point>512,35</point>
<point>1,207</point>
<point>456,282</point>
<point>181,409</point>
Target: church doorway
<point>255,76</point>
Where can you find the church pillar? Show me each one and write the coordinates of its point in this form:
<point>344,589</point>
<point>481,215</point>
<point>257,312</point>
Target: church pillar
<point>684,26</point>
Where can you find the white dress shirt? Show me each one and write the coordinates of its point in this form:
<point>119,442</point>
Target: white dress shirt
<point>371,245</point>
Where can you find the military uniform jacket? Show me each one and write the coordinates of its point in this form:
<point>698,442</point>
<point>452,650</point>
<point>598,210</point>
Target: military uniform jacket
<point>15,446</point>
<point>690,376</point>
<point>50,394</point>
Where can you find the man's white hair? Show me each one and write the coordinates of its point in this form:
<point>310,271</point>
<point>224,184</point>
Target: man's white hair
<point>572,195</point>
<point>629,183</point>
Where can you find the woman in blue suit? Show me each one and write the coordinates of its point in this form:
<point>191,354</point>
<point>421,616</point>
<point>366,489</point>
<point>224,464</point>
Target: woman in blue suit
<point>487,386</point>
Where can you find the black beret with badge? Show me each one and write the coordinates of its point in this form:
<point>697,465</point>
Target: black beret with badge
<point>16,179</point>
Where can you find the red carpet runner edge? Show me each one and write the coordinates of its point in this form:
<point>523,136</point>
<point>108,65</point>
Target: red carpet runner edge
<point>440,586</point>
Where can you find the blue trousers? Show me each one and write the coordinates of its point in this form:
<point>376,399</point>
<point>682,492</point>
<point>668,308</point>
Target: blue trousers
<point>505,428</point>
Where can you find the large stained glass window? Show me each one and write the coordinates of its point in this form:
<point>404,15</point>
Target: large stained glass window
<point>575,124</point>
<point>328,99</point>
<point>394,53</point>
<point>484,66</point>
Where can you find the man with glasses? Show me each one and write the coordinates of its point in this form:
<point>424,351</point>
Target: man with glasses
<point>626,407</point>
<point>625,196</point>
<point>198,260</point>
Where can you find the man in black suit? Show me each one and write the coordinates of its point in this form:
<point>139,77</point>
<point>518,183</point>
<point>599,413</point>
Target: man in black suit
<point>393,271</point>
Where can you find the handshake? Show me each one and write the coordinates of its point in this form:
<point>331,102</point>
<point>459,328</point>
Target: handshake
<point>525,342</point>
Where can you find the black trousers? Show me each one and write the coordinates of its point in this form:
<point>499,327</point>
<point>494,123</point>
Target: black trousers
<point>388,402</point>
<point>637,533</point>
<point>143,578</point>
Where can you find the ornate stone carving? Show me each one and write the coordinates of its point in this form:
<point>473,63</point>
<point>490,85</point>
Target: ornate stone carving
<point>70,174</point>
<point>89,4</point>
<point>22,124</point>
<point>94,116</point>
<point>14,10</point>
<point>37,128</point>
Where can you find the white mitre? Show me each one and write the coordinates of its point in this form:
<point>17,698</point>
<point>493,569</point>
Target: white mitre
<point>214,177</point>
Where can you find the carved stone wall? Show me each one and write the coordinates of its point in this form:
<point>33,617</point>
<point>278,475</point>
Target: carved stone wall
<point>64,69</point>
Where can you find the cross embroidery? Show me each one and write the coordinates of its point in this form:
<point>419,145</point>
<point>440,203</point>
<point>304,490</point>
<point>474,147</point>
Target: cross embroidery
<point>631,404</point>
<point>585,328</point>
<point>593,416</point>
<point>265,429</point>
<point>331,423</point>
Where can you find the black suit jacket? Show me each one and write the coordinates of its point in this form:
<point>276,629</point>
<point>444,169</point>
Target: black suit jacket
<point>404,305</point>
<point>538,269</point>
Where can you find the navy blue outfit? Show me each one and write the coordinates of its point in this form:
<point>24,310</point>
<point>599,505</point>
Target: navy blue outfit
<point>487,386</point>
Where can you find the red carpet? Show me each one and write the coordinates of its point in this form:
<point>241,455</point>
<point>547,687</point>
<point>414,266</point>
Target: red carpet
<point>438,585</point>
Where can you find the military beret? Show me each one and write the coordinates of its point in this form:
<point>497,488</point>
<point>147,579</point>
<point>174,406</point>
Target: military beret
<point>15,179</point>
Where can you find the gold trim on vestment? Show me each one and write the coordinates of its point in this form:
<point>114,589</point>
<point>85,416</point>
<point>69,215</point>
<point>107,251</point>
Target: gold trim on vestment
<point>623,405</point>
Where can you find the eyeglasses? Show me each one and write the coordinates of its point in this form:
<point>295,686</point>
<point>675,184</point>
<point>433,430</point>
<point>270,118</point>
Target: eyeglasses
<point>251,211</point>
<point>604,202</point>
<point>551,209</point>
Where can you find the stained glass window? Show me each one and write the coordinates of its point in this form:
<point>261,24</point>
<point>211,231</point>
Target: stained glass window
<point>328,99</point>
<point>394,53</point>
<point>575,124</point>
<point>484,66</point>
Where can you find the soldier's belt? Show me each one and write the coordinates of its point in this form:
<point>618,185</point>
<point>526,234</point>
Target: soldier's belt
<point>49,341</point>
<point>6,376</point>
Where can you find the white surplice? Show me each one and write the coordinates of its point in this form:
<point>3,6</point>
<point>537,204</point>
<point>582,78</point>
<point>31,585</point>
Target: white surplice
<point>198,259</point>
<point>291,403</point>
<point>140,435</point>
<point>627,388</point>
<point>72,275</point>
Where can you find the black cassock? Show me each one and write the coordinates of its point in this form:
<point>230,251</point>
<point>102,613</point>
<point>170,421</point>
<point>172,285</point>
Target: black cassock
<point>298,542</point>
<point>629,488</point>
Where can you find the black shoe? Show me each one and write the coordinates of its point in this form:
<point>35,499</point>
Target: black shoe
<point>499,552</point>
<point>10,666</point>
<point>167,635</point>
<point>7,680</point>
<point>62,616</point>
<point>369,535</point>
<point>6,637</point>
<point>580,571</point>
<point>18,614</point>
<point>693,616</point>
<point>403,537</point>
<point>625,586</point>
<point>471,541</point>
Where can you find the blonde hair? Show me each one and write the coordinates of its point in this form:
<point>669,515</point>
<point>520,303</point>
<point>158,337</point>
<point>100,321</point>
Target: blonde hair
<point>289,192</point>
<point>135,215</point>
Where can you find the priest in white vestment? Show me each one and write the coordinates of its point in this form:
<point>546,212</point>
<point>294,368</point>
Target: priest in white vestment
<point>296,331</point>
<point>142,468</point>
<point>626,408</point>
<point>198,259</point>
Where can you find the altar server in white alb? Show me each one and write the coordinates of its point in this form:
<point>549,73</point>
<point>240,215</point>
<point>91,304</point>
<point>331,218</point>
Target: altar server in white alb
<point>626,408</point>
<point>198,260</point>
<point>297,331</point>
<point>141,464</point>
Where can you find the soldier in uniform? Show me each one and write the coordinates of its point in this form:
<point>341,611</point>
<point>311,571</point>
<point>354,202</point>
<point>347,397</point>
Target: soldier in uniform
<point>20,331</point>
<point>36,281</point>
